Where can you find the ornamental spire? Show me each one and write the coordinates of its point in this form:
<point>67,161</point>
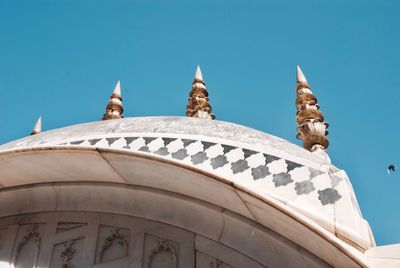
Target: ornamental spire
<point>198,103</point>
<point>114,107</point>
<point>38,126</point>
<point>310,121</point>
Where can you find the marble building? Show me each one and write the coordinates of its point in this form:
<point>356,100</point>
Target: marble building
<point>181,192</point>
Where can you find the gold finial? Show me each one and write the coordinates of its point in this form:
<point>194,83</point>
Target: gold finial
<point>198,103</point>
<point>38,126</point>
<point>310,121</point>
<point>114,107</point>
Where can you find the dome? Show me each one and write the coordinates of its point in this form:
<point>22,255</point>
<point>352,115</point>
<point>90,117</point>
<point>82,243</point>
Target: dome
<point>175,125</point>
<point>258,176</point>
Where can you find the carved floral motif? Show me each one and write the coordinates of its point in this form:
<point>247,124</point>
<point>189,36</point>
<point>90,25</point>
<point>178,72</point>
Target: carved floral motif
<point>108,242</point>
<point>162,246</point>
<point>68,254</point>
<point>31,233</point>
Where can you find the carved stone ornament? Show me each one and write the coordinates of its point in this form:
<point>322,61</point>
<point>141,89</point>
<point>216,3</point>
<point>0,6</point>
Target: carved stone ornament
<point>311,127</point>
<point>31,233</point>
<point>68,254</point>
<point>66,226</point>
<point>108,242</point>
<point>114,109</point>
<point>198,102</point>
<point>162,246</point>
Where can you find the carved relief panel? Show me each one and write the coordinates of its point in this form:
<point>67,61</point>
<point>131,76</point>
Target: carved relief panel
<point>28,244</point>
<point>160,253</point>
<point>68,254</point>
<point>98,240</point>
<point>113,243</point>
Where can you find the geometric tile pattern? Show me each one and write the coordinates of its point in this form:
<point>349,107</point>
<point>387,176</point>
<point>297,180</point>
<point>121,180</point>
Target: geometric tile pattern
<point>241,162</point>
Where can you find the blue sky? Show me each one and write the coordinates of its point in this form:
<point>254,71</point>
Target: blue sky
<point>61,60</point>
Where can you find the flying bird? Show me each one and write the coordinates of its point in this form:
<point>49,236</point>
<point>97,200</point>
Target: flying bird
<point>391,168</point>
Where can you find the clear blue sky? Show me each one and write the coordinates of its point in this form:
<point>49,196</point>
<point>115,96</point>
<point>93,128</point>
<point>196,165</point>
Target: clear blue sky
<point>61,60</point>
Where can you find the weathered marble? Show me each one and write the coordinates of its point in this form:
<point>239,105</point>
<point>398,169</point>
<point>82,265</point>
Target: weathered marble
<point>176,125</point>
<point>237,187</point>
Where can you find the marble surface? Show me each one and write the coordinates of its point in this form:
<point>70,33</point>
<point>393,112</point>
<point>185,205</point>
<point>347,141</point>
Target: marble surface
<point>176,125</point>
<point>265,246</point>
<point>384,256</point>
<point>269,172</point>
<point>257,162</point>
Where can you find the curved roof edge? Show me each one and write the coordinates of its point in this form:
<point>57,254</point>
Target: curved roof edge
<point>117,167</point>
<point>168,124</point>
<point>253,160</point>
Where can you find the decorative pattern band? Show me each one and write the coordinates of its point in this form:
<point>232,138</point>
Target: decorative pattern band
<point>269,172</point>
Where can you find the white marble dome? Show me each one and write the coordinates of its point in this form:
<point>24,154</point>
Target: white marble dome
<point>258,176</point>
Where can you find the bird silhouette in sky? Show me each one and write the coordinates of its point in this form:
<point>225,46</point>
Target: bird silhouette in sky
<point>391,168</point>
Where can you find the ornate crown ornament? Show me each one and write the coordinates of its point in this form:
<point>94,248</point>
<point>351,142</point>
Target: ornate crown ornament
<point>310,121</point>
<point>198,103</point>
<point>114,109</point>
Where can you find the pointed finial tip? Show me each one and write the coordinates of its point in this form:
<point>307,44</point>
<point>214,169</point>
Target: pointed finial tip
<point>300,76</point>
<point>117,89</point>
<point>114,107</point>
<point>38,126</point>
<point>198,75</point>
